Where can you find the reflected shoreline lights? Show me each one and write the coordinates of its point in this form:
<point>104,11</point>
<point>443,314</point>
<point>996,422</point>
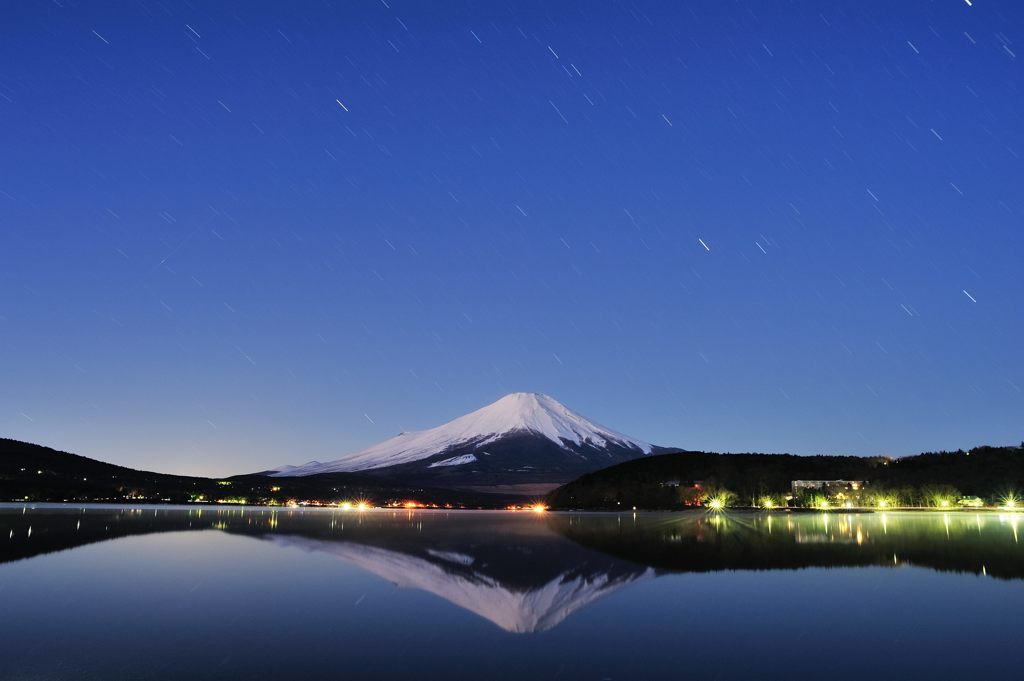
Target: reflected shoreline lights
<point>528,571</point>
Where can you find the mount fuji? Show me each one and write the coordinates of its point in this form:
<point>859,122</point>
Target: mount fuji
<point>521,438</point>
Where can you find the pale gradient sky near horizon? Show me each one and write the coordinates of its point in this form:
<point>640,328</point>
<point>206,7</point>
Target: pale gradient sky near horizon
<point>235,235</point>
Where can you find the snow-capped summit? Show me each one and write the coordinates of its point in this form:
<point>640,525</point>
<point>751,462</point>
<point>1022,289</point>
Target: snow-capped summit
<point>523,437</point>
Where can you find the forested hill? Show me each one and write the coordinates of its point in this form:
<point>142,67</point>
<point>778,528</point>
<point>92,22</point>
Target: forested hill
<point>30,472</point>
<point>664,481</point>
<point>24,462</point>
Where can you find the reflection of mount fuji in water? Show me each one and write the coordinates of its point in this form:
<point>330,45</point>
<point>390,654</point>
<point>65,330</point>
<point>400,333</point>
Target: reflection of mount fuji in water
<point>474,584</point>
<point>527,573</point>
<point>509,568</point>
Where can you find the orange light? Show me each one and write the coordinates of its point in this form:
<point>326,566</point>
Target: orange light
<point>539,508</point>
<point>362,505</point>
<point>411,504</point>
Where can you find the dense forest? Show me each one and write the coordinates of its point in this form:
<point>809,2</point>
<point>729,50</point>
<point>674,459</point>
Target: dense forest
<point>688,478</point>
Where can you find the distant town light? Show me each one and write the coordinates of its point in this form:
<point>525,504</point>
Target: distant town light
<point>539,508</point>
<point>716,503</point>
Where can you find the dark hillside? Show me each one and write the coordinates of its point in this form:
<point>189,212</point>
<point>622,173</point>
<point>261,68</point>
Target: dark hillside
<point>663,481</point>
<point>30,472</point>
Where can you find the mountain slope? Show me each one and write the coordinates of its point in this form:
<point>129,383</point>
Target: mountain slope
<point>30,472</point>
<point>523,437</point>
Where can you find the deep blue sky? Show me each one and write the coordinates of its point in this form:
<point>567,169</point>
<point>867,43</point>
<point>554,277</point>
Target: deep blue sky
<point>208,265</point>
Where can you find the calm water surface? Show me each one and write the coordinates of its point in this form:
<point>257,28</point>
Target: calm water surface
<point>225,593</point>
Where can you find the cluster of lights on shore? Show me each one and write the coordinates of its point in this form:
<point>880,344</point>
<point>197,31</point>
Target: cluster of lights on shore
<point>715,503</point>
<point>410,505</point>
<point>719,502</point>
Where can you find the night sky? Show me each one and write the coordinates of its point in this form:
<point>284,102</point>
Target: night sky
<point>234,235</point>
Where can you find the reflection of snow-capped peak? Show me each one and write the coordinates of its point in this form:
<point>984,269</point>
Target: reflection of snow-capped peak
<point>452,556</point>
<point>515,413</point>
<point>518,611</point>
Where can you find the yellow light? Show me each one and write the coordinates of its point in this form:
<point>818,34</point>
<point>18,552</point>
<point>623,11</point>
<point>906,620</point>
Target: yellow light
<point>882,503</point>
<point>768,503</point>
<point>716,503</point>
<point>944,503</point>
<point>346,505</point>
<point>823,505</point>
<point>1010,502</point>
<point>362,506</point>
<point>411,504</point>
<point>539,508</point>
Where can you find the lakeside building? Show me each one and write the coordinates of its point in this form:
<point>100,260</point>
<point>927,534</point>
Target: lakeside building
<point>828,486</point>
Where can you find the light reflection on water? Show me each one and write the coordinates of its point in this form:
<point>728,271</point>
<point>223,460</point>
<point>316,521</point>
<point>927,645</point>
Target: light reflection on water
<point>159,592</point>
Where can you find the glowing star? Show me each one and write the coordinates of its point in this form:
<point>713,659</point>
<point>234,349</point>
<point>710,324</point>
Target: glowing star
<point>716,503</point>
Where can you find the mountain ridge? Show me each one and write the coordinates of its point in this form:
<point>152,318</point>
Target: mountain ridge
<point>534,435</point>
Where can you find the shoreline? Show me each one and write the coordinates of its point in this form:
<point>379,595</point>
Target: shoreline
<point>531,511</point>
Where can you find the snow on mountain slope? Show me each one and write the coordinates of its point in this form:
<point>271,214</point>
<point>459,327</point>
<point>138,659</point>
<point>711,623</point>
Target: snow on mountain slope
<point>290,470</point>
<point>517,413</point>
<point>455,461</point>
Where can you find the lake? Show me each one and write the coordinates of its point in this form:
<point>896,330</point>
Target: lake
<point>252,593</point>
